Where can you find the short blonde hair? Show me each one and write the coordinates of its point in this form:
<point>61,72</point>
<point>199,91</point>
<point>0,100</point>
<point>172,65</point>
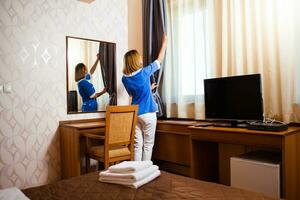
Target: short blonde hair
<point>79,74</point>
<point>131,62</point>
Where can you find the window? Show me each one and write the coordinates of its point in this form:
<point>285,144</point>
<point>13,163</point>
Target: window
<point>214,38</point>
<point>188,54</point>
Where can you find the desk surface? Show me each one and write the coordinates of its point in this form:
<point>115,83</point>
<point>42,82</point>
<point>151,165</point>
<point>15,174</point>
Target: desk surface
<point>178,122</point>
<point>190,123</point>
<point>291,130</point>
<point>85,125</point>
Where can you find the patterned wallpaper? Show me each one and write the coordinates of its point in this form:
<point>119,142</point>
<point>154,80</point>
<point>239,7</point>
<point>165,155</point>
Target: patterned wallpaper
<point>32,60</point>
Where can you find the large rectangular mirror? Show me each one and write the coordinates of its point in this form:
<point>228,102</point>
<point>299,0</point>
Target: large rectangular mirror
<point>91,75</point>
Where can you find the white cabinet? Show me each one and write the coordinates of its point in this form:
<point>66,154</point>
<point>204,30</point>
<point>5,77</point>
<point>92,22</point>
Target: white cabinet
<point>257,171</point>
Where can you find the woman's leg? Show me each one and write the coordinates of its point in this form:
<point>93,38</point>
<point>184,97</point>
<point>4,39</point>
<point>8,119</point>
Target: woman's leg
<point>149,128</point>
<point>138,141</point>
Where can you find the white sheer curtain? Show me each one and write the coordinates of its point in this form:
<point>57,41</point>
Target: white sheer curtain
<point>297,74</point>
<point>213,38</point>
<point>188,58</point>
<point>76,54</point>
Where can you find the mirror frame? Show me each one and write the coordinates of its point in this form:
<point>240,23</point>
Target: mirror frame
<point>67,72</point>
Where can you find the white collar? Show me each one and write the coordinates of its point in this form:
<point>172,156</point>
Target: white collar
<point>84,78</point>
<point>80,80</point>
<point>133,73</point>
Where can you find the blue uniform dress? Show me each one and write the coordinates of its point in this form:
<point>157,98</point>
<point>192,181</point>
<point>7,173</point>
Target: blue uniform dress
<point>86,90</point>
<point>138,86</point>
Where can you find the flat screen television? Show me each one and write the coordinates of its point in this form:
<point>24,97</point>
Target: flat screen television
<point>234,99</point>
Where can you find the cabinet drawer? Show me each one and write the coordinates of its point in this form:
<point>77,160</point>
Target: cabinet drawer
<point>172,148</point>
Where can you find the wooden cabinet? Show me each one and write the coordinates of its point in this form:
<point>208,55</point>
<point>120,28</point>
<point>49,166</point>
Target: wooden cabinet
<point>73,146</point>
<point>172,146</point>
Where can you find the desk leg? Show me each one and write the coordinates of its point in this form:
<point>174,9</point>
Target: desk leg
<point>204,161</point>
<point>291,166</point>
<point>70,153</point>
<point>226,151</point>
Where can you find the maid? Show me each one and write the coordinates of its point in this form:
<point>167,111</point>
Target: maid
<point>85,88</point>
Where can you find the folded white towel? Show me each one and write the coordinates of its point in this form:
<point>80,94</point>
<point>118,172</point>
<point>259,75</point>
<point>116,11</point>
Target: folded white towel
<point>12,194</point>
<point>130,177</point>
<point>129,166</point>
<point>136,184</point>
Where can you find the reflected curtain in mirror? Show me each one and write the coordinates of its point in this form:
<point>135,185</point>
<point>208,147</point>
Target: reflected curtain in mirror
<point>108,63</point>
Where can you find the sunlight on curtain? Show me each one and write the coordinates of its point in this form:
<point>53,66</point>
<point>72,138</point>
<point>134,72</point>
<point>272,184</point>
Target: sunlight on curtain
<point>297,48</point>
<point>214,38</point>
<point>187,59</point>
<point>75,56</point>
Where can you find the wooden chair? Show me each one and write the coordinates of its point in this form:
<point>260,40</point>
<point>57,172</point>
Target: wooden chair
<point>119,137</point>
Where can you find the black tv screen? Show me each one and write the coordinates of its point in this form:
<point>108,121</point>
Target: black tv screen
<point>234,98</point>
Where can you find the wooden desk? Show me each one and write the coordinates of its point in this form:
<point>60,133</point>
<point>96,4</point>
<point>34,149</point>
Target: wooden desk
<point>71,151</point>
<point>206,159</point>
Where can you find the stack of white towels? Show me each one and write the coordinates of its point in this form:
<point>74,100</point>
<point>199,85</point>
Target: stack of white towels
<point>130,173</point>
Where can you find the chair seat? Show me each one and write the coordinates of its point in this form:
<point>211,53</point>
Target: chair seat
<point>98,151</point>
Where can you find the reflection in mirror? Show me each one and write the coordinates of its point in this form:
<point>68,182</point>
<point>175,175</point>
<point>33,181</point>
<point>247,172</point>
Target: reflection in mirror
<point>91,84</point>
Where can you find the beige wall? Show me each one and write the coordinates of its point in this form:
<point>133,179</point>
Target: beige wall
<point>135,29</point>
<point>297,47</point>
<point>135,39</point>
<point>32,60</point>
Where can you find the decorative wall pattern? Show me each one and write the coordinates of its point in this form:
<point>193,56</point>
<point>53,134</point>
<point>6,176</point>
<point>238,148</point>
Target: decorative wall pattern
<point>32,60</point>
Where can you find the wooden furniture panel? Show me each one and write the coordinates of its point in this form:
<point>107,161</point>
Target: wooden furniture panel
<point>172,146</point>
<point>72,150</point>
<point>204,162</point>
<point>244,138</point>
<point>226,151</point>
<point>291,167</point>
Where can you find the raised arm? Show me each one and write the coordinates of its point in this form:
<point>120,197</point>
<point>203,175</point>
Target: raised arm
<point>92,70</point>
<point>162,51</point>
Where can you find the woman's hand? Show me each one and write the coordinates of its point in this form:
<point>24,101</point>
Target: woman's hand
<point>153,86</point>
<point>103,90</point>
<point>98,94</point>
